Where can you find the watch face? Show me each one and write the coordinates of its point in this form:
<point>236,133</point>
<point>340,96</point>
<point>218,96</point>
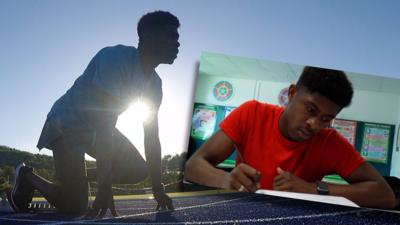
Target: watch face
<point>322,188</point>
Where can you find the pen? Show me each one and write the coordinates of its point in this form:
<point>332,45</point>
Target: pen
<point>258,174</point>
<point>239,154</point>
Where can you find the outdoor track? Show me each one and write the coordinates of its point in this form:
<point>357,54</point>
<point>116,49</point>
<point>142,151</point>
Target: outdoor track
<point>222,208</point>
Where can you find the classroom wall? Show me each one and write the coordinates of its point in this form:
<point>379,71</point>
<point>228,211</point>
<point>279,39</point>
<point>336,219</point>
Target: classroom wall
<point>366,106</point>
<point>243,90</point>
<point>372,107</point>
<point>268,91</point>
<point>376,107</point>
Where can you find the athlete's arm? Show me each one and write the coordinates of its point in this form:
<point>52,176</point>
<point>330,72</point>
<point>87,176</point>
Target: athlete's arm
<point>200,168</point>
<point>104,198</point>
<point>153,157</point>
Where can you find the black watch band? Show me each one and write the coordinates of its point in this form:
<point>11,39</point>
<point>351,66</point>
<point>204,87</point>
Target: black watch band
<point>322,188</point>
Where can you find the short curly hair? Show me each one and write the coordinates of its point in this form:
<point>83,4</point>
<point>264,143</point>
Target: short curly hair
<point>156,20</point>
<point>332,84</point>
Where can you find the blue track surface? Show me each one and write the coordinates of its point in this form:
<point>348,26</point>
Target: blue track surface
<point>233,208</point>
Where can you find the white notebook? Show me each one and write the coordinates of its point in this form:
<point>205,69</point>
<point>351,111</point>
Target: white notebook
<point>311,197</point>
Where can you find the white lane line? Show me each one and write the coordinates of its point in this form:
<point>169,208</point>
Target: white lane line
<point>146,213</point>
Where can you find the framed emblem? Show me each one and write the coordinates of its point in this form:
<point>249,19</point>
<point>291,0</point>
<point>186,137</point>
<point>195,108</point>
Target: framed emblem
<point>283,98</point>
<point>223,90</point>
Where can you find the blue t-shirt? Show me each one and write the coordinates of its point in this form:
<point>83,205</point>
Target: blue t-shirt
<point>111,82</point>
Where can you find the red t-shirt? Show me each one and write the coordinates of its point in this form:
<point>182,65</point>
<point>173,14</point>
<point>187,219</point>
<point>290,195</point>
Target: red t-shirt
<point>253,127</point>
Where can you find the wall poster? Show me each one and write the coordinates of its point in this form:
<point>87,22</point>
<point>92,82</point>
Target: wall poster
<point>203,121</point>
<point>347,129</point>
<point>375,143</point>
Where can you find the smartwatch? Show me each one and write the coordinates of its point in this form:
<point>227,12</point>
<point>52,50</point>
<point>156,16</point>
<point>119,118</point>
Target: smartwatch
<point>322,188</point>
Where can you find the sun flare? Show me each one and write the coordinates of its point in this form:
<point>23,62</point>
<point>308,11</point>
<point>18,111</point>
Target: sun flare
<point>130,123</point>
<point>140,110</point>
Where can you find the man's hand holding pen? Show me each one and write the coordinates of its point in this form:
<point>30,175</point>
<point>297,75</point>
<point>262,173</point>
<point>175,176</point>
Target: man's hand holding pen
<point>243,178</point>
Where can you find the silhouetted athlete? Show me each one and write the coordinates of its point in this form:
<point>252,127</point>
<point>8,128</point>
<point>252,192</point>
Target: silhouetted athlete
<point>83,121</point>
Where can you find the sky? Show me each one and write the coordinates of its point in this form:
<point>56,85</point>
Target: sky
<point>45,45</point>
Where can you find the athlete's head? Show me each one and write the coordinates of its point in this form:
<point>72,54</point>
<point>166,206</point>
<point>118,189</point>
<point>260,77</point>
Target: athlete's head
<point>158,35</point>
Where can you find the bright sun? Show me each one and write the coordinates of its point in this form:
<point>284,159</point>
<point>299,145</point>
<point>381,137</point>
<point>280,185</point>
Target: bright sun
<point>130,123</point>
<point>140,110</point>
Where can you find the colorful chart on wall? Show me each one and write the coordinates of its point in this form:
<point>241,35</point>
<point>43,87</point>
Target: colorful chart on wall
<point>203,121</point>
<point>346,128</point>
<point>375,143</point>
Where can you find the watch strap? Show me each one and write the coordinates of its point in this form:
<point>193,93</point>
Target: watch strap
<point>322,188</point>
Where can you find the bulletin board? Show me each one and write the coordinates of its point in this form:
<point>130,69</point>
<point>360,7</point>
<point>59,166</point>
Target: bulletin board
<point>205,122</point>
<point>374,141</point>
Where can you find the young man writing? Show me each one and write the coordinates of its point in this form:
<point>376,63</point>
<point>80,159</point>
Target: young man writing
<point>292,148</point>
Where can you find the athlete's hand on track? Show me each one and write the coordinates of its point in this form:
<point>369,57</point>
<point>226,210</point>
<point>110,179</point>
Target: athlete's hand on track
<point>104,201</point>
<point>163,200</point>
